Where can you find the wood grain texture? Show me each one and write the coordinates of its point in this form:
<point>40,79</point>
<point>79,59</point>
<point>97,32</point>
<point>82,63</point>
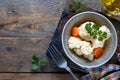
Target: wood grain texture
<point>33,18</point>
<point>16,53</point>
<point>26,28</point>
<point>94,4</point>
<point>29,28</point>
<point>37,76</point>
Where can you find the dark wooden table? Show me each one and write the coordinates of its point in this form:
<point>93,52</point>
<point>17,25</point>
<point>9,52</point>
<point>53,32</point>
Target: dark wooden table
<point>26,28</point>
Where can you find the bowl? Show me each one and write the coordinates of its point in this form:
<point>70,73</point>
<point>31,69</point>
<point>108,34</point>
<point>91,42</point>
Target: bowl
<point>109,46</point>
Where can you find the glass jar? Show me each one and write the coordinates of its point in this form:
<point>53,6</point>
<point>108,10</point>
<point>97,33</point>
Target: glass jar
<point>111,8</point>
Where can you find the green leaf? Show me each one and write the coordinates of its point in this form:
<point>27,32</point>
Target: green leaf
<point>35,59</point>
<point>92,34</point>
<point>99,32</point>
<point>72,2</point>
<point>95,27</point>
<point>80,9</point>
<point>105,34</point>
<point>77,10</point>
<point>87,27</point>
<point>35,67</point>
<point>100,39</point>
<point>43,63</point>
<point>89,24</point>
<point>94,37</point>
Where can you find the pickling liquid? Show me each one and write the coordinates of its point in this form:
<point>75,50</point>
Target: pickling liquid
<point>112,7</point>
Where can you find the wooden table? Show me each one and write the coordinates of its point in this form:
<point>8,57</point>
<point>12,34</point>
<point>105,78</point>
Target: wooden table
<point>26,28</point>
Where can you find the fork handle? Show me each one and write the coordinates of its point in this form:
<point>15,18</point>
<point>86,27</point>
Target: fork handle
<point>69,70</point>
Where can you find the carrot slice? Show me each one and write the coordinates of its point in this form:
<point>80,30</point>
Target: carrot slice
<point>98,52</point>
<point>75,31</point>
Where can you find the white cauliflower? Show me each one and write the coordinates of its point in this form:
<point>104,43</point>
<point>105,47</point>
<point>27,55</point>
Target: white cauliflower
<point>78,51</point>
<point>83,32</point>
<point>74,42</point>
<point>89,57</point>
<point>105,29</point>
<point>96,43</point>
<point>86,48</point>
<point>80,47</point>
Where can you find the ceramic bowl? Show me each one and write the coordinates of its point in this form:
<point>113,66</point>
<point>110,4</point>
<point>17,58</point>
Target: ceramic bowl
<point>109,47</point>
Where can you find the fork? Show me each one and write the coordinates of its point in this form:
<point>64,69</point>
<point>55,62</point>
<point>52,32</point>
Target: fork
<point>59,60</point>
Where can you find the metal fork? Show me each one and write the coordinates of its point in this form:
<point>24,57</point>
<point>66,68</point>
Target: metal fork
<point>59,59</point>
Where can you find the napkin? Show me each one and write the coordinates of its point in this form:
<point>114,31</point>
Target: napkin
<point>56,38</point>
<point>104,72</point>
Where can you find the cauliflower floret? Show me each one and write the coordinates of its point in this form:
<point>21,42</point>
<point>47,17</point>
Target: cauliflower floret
<point>105,29</point>
<point>83,32</point>
<point>80,47</point>
<point>78,51</point>
<point>86,48</point>
<point>96,43</point>
<point>74,42</point>
<point>89,57</point>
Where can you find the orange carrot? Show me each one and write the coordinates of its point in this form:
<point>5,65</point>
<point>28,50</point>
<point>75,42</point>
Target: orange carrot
<point>75,31</point>
<point>98,52</point>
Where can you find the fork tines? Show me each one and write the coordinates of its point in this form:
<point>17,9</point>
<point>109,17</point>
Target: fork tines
<point>54,53</point>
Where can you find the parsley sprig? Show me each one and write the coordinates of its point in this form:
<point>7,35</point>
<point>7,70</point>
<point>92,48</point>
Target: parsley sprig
<point>37,63</point>
<point>94,31</point>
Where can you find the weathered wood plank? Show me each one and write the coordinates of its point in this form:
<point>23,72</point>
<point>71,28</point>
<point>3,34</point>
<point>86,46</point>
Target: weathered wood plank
<point>94,4</point>
<point>38,76</point>
<point>29,28</point>
<point>33,18</point>
<point>30,8</point>
<point>16,53</point>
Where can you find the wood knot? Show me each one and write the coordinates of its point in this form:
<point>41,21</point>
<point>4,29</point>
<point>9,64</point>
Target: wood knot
<point>2,26</point>
<point>8,49</point>
<point>29,26</point>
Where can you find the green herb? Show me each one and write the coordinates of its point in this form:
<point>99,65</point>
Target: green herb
<point>95,27</point>
<point>99,32</point>
<point>35,59</point>
<point>105,34</point>
<point>78,5</point>
<point>94,36</point>
<point>95,32</point>
<point>88,28</point>
<point>37,63</point>
<point>43,63</point>
<point>35,67</point>
<point>100,39</point>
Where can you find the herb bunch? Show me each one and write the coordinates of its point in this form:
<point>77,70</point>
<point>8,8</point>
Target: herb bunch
<point>94,31</point>
<point>78,5</point>
<point>37,63</point>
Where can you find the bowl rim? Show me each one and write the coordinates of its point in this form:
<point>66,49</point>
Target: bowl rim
<point>62,39</point>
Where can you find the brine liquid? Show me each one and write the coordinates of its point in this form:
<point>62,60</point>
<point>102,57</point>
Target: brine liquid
<point>113,6</point>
